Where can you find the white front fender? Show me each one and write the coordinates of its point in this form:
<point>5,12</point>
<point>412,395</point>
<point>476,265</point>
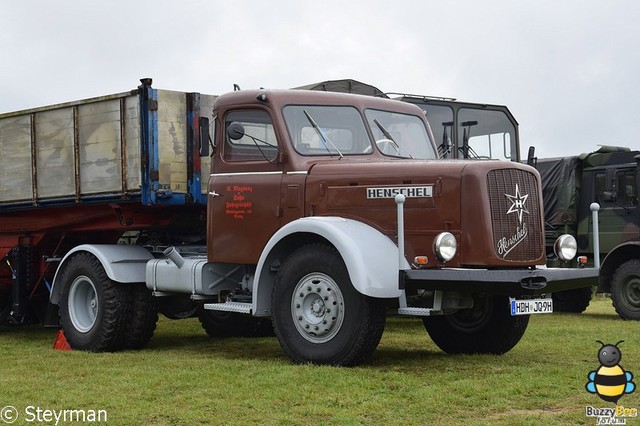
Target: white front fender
<point>371,257</point>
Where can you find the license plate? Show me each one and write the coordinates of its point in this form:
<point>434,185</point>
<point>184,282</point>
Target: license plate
<point>531,306</point>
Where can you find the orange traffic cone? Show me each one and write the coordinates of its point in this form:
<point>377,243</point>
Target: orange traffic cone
<point>61,343</point>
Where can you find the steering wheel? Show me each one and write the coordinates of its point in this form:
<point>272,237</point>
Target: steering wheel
<point>384,144</point>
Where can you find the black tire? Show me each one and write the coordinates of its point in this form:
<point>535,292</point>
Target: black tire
<point>625,290</point>
<point>230,324</point>
<point>5,307</point>
<point>487,328</point>
<point>575,301</point>
<point>318,316</point>
<point>177,307</point>
<point>94,310</point>
<point>144,318</point>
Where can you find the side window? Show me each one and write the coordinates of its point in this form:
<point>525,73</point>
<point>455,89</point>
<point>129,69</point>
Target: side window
<point>600,187</point>
<point>258,143</point>
<point>626,190</point>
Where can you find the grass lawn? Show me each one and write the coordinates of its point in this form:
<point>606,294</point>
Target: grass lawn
<point>184,377</point>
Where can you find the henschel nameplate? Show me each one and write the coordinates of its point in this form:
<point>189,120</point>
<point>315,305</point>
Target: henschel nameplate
<point>407,191</point>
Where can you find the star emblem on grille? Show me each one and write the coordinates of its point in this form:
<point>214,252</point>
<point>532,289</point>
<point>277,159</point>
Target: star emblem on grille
<point>517,203</point>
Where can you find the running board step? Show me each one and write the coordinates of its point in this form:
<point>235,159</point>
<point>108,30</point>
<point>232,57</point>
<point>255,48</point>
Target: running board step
<point>418,312</point>
<point>239,307</point>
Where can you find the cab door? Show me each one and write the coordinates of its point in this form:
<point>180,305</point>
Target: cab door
<point>620,216</point>
<point>617,193</point>
<point>244,201</point>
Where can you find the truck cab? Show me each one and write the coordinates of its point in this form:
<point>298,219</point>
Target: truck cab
<point>326,197</point>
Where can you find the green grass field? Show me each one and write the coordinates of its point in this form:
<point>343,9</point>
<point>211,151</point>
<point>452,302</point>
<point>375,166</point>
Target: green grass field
<point>184,377</point>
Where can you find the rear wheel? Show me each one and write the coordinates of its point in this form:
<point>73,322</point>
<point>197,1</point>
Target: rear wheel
<point>144,318</point>
<point>572,300</point>
<point>488,328</point>
<point>625,290</point>
<point>318,316</point>
<point>94,310</point>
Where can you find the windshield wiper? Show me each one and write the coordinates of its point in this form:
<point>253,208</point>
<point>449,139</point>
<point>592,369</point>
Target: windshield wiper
<point>325,138</point>
<point>387,135</point>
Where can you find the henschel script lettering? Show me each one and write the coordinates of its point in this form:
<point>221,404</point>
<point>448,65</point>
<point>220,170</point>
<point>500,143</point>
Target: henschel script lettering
<point>506,244</point>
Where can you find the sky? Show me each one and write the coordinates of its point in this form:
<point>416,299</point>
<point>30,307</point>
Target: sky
<point>569,71</point>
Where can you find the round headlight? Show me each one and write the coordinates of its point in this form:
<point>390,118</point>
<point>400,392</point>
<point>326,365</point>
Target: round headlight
<point>445,246</point>
<point>566,247</point>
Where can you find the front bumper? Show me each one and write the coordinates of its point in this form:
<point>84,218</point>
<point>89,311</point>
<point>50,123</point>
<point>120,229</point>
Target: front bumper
<point>510,282</point>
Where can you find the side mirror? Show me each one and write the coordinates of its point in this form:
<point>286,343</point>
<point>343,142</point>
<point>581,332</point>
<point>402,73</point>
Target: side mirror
<point>204,136</point>
<point>531,157</point>
<point>235,131</point>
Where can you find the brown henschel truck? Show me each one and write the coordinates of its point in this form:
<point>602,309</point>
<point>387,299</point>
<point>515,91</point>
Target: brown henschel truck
<point>323,212</point>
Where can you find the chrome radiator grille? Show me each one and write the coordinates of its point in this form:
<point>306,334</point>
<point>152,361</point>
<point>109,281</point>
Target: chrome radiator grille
<point>515,214</point>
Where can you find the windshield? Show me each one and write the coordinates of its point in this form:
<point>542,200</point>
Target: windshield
<point>400,135</point>
<point>485,134</point>
<point>474,131</point>
<point>326,130</point>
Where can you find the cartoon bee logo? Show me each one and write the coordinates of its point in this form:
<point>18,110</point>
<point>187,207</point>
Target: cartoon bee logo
<point>610,381</point>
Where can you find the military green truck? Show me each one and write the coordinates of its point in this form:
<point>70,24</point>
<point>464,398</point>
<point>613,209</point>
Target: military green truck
<point>608,176</point>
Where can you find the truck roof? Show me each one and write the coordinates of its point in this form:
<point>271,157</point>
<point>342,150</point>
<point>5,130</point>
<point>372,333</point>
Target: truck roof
<point>303,97</point>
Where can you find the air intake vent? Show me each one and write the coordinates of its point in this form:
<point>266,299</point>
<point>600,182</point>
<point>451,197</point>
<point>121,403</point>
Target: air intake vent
<point>515,214</point>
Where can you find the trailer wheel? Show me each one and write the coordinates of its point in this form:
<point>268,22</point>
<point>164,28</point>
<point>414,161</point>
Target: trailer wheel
<point>144,318</point>
<point>318,316</point>
<point>625,290</point>
<point>232,324</point>
<point>572,300</point>
<point>487,328</point>
<point>94,310</point>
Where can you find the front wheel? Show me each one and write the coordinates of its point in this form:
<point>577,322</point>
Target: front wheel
<point>318,316</point>
<point>94,310</point>
<point>625,290</point>
<point>487,328</point>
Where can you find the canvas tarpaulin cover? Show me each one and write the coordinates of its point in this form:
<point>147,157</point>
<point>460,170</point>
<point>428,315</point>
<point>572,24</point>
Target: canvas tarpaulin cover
<point>559,189</point>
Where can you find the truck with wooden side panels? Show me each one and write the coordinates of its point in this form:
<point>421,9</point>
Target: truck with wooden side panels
<point>311,212</point>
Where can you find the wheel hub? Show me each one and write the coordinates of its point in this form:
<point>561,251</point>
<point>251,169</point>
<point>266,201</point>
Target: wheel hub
<point>632,291</point>
<point>83,304</point>
<point>317,307</point>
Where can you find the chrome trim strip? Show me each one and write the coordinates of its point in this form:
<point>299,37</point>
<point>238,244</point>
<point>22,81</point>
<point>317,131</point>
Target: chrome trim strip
<point>246,174</point>
<point>297,172</point>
